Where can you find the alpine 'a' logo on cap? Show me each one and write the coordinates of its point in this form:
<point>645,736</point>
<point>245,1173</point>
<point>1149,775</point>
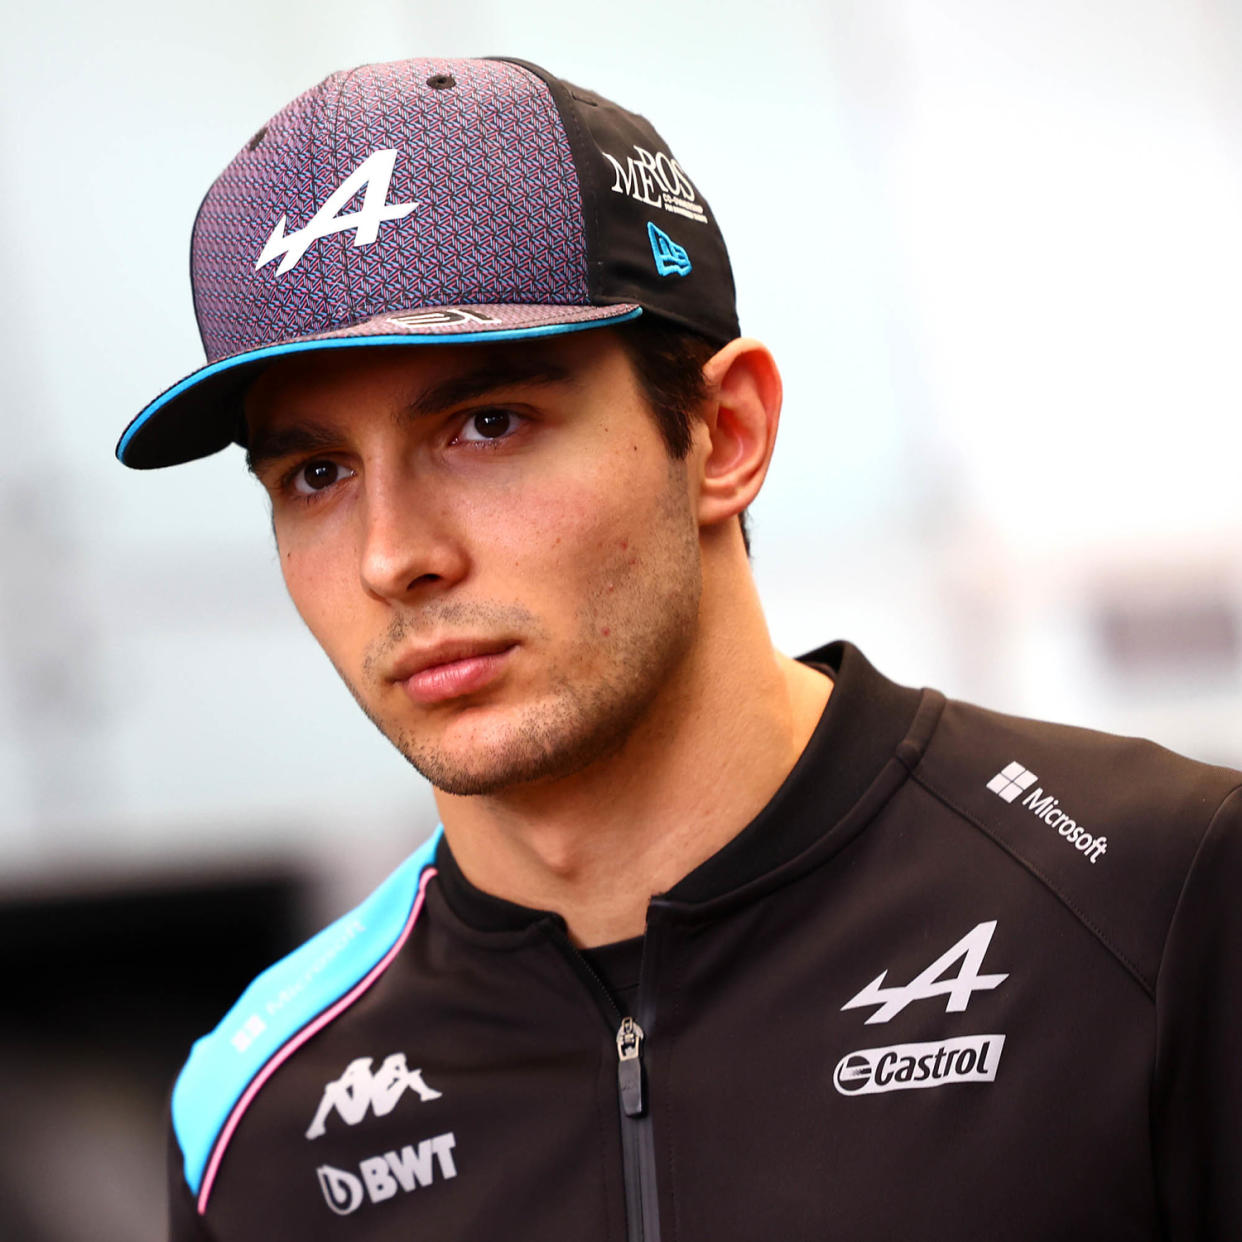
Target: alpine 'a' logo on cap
<point>358,1091</point>
<point>375,172</point>
<point>670,258</point>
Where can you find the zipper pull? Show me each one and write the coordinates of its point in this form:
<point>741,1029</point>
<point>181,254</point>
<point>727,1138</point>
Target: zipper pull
<point>630,1067</point>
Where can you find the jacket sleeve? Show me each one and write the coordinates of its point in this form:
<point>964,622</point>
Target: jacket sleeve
<point>1197,1089</point>
<point>184,1222</point>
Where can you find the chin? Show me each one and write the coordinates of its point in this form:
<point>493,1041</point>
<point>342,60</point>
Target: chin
<point>483,772</point>
<point>488,752</point>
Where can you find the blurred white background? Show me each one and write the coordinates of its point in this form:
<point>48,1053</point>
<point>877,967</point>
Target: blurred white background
<point>995,248</point>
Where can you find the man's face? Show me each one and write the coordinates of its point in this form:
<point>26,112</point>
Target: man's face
<point>490,542</point>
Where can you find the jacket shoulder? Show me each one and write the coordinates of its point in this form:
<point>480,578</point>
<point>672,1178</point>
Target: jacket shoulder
<point>1110,824</point>
<point>283,1007</point>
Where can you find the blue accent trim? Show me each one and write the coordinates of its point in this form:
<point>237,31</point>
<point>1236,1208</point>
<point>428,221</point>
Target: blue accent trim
<point>280,1002</point>
<point>670,258</point>
<point>347,342</point>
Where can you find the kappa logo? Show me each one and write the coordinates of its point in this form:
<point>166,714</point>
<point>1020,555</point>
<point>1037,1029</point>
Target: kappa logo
<point>375,172</point>
<point>380,1177</point>
<point>358,1091</point>
<point>1014,779</point>
<point>670,258</point>
<point>927,984</point>
<point>906,1067</point>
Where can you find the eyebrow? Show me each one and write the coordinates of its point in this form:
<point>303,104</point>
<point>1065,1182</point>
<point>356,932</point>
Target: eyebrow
<point>310,436</point>
<point>305,437</point>
<point>499,373</point>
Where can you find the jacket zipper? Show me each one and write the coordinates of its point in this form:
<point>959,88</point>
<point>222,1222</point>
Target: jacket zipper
<point>638,1166</point>
<point>642,1205</point>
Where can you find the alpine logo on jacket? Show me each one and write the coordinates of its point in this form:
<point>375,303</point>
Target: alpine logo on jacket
<point>935,1063</point>
<point>357,1091</point>
<point>928,984</point>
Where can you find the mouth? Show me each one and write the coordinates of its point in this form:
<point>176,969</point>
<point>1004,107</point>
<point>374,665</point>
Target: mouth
<point>452,670</point>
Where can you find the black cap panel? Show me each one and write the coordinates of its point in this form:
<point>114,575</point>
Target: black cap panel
<point>651,236</point>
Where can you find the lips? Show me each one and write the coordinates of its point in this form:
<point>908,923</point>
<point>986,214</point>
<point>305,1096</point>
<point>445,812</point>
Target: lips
<point>451,670</point>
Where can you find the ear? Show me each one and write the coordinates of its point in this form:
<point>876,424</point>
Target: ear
<point>739,423</point>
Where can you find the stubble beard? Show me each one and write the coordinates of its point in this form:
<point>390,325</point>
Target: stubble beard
<point>588,714</point>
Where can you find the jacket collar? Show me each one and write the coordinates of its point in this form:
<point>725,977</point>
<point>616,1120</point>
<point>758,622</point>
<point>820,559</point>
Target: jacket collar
<point>867,718</point>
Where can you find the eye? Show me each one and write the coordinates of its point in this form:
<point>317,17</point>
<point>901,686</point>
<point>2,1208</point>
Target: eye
<point>485,425</point>
<point>317,476</point>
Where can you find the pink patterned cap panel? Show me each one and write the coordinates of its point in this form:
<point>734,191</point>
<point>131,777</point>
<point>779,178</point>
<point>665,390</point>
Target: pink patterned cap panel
<point>467,196</point>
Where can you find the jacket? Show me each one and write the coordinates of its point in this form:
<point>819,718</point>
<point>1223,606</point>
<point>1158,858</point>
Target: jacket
<point>965,976</point>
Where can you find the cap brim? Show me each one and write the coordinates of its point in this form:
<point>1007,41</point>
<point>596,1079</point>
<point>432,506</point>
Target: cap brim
<point>201,414</point>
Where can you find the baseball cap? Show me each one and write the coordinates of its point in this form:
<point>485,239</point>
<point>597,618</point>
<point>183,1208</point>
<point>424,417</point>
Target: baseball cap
<point>432,202</point>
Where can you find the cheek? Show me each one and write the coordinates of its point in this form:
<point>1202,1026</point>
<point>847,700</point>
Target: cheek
<point>319,586</point>
<point>573,530</point>
<point>593,554</point>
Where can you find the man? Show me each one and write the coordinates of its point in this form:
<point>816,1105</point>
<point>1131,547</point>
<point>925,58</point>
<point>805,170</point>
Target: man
<point>713,943</point>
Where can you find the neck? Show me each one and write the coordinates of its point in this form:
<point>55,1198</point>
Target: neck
<point>597,845</point>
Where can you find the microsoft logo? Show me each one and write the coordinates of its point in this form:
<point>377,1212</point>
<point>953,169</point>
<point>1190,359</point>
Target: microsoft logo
<point>1010,781</point>
<point>1014,780</point>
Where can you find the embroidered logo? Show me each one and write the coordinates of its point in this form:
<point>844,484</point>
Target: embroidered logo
<point>970,949</point>
<point>375,172</point>
<point>657,180</point>
<point>670,258</point>
<point>358,1092</point>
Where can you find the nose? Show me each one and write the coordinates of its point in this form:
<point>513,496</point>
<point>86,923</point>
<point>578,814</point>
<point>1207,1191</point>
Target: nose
<point>409,544</point>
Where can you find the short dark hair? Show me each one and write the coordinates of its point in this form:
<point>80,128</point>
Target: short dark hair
<point>668,363</point>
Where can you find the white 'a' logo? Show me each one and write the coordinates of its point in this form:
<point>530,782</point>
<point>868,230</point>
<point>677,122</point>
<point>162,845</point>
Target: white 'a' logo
<point>928,983</point>
<point>375,172</point>
<point>358,1090</point>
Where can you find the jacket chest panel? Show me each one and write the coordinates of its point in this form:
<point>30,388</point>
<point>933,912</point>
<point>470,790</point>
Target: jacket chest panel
<point>872,1041</point>
<point>899,1048</point>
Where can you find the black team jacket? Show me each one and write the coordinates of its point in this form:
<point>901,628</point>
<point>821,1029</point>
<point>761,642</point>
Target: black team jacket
<point>966,976</point>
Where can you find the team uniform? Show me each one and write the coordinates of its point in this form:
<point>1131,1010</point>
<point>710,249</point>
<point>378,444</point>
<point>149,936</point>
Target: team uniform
<point>966,976</point>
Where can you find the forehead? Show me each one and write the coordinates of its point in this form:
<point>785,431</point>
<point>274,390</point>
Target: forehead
<point>332,382</point>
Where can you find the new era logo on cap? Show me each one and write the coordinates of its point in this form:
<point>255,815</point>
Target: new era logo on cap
<point>1012,780</point>
<point>670,258</point>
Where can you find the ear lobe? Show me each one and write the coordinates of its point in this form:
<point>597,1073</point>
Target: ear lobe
<point>740,420</point>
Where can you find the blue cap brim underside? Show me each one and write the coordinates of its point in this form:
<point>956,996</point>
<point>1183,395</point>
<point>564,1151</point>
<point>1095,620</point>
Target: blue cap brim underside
<point>267,353</point>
